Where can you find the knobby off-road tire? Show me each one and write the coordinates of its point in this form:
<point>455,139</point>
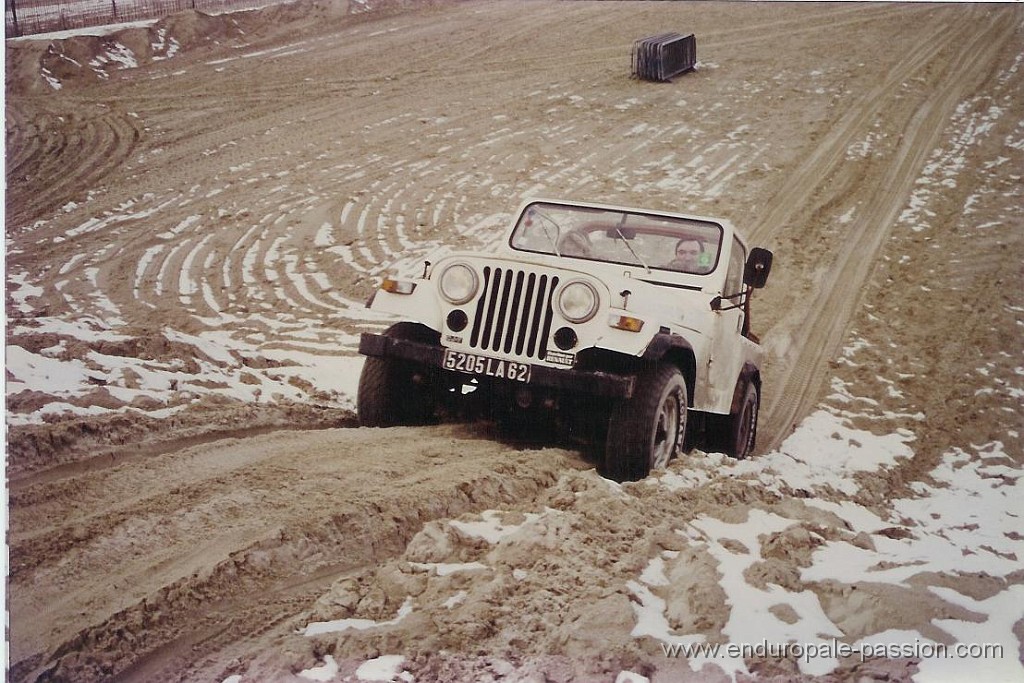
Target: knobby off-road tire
<point>736,434</point>
<point>394,392</point>
<point>647,430</point>
<point>742,427</point>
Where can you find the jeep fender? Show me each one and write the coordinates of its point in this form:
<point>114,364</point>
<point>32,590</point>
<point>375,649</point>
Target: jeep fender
<point>421,306</point>
<point>666,346</point>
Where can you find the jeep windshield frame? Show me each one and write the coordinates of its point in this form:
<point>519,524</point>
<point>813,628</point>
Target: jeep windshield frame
<point>619,236</point>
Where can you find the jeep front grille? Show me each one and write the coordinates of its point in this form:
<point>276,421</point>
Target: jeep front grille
<point>513,314</point>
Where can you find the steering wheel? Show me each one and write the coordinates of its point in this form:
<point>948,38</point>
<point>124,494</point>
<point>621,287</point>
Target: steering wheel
<point>575,244</point>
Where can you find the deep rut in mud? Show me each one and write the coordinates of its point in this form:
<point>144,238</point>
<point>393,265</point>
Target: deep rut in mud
<point>238,521</point>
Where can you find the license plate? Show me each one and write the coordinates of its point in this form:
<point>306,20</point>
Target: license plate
<point>472,364</point>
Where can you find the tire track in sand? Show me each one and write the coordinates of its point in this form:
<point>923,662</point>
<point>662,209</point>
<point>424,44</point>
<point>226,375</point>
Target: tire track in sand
<point>57,155</point>
<point>811,334</point>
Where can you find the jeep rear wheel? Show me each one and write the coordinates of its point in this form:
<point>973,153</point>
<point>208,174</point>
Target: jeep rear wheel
<point>742,432</point>
<point>647,430</point>
<point>735,434</point>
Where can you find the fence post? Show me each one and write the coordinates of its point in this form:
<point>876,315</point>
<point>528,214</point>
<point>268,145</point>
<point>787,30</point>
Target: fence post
<point>14,16</point>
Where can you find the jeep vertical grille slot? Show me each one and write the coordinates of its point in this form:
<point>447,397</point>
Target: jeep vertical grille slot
<point>513,313</point>
<point>528,304</point>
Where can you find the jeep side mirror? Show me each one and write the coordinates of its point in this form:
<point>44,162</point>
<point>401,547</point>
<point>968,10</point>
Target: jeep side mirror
<point>759,264</point>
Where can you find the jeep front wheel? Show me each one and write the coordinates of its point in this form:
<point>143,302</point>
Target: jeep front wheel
<point>395,392</point>
<point>647,430</point>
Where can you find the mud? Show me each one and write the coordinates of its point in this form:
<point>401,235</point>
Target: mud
<point>190,236</point>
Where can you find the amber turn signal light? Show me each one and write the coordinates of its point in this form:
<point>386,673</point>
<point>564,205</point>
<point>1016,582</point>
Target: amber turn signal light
<point>397,286</point>
<point>626,322</point>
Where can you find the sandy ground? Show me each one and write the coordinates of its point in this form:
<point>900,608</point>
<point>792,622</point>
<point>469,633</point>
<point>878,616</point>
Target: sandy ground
<point>195,212</point>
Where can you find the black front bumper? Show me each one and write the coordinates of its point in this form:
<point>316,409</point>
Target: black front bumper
<point>597,383</point>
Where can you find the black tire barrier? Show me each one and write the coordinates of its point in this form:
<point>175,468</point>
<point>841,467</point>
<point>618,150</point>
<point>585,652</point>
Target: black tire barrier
<point>664,56</point>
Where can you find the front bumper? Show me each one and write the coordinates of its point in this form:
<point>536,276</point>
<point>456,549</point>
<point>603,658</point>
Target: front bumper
<point>597,383</point>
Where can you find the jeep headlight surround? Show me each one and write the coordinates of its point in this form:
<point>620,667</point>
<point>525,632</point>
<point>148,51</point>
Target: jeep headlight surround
<point>458,283</point>
<point>578,301</point>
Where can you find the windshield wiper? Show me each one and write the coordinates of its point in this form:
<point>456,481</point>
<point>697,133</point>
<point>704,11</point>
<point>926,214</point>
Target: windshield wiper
<point>618,229</point>
<point>547,233</point>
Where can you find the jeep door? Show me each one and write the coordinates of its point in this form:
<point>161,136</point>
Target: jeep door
<point>729,348</point>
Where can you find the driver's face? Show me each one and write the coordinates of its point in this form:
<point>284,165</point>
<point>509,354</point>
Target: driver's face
<point>688,251</point>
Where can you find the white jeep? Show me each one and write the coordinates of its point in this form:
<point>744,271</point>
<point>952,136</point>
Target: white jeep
<point>633,326</point>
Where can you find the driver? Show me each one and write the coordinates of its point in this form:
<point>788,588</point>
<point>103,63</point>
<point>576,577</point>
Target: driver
<point>690,257</point>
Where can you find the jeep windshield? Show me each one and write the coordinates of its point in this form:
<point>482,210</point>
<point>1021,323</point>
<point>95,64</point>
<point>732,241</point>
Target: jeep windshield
<point>651,241</point>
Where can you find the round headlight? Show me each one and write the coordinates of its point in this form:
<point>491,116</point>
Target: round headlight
<point>458,283</point>
<point>578,302</point>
